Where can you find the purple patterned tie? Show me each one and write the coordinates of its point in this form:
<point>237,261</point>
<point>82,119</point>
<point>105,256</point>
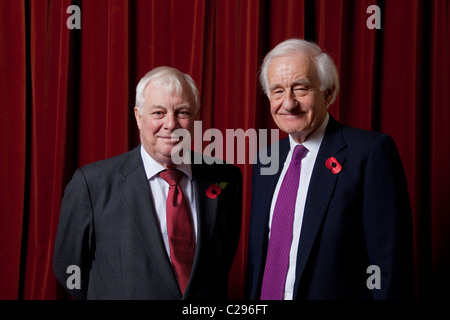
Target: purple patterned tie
<point>277,260</point>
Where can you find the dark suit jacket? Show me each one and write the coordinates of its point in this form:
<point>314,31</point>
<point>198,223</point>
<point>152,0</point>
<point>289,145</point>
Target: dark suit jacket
<point>356,218</point>
<point>108,227</point>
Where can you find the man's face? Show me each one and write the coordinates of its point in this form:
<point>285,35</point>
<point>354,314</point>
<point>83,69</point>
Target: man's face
<point>297,104</point>
<point>162,113</point>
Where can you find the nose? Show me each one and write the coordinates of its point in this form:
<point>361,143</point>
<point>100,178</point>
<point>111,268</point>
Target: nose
<point>171,122</point>
<point>290,102</point>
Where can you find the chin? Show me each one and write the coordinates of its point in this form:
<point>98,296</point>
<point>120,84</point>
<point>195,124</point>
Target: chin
<point>165,160</point>
<point>292,126</point>
<point>293,130</point>
<point>166,153</point>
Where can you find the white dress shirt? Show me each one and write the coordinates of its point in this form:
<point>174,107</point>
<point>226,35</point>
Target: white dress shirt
<point>160,189</point>
<point>307,165</point>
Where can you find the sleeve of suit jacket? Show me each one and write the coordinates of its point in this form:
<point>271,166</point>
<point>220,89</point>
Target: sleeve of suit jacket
<point>75,238</point>
<point>387,221</point>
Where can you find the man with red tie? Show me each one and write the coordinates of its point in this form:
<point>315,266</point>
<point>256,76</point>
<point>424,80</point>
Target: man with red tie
<point>335,221</point>
<point>139,226</point>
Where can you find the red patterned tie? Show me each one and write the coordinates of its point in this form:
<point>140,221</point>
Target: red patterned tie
<point>179,228</point>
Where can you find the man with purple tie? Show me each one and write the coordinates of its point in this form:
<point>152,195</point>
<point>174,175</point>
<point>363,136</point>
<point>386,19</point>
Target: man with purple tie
<point>335,221</point>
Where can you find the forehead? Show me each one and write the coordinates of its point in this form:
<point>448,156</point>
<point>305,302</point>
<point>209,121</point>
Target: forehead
<point>163,94</point>
<point>290,68</point>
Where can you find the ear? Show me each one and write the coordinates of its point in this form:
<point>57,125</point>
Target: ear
<point>138,117</point>
<point>327,95</point>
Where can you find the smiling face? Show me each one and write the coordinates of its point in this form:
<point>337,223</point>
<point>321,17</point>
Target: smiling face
<point>297,104</point>
<point>163,112</point>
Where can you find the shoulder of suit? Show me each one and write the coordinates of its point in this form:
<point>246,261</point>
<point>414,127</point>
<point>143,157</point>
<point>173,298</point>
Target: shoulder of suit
<point>362,140</point>
<point>282,143</point>
<point>357,134</point>
<point>280,148</point>
<point>215,167</point>
<point>117,163</point>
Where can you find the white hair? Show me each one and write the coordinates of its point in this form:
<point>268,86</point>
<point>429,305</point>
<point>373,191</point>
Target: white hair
<point>324,65</point>
<point>172,79</point>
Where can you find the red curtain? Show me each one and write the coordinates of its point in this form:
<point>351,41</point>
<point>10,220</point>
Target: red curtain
<point>67,98</point>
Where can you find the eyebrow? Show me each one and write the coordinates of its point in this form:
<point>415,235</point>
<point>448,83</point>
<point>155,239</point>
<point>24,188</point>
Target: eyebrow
<point>177,107</point>
<point>182,106</point>
<point>302,81</point>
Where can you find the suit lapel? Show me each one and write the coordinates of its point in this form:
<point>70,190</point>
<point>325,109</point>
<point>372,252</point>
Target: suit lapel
<point>206,216</point>
<point>136,192</point>
<point>207,208</point>
<point>262,194</point>
<point>320,191</point>
<point>266,188</point>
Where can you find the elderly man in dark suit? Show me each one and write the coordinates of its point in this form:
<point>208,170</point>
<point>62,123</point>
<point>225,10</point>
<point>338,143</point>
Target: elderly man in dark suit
<point>335,221</point>
<point>139,226</point>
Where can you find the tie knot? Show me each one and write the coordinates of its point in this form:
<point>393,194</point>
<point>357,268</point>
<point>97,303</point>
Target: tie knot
<point>299,153</point>
<point>172,176</point>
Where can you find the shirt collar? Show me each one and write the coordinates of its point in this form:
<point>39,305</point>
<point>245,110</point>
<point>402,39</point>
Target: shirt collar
<point>152,167</point>
<point>314,141</point>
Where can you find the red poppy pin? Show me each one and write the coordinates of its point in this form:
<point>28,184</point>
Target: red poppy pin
<point>215,189</point>
<point>333,165</point>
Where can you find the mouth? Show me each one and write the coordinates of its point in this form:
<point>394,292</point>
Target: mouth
<point>169,140</point>
<point>293,114</point>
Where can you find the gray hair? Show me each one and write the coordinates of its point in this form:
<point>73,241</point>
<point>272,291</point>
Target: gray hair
<point>175,81</point>
<point>324,65</point>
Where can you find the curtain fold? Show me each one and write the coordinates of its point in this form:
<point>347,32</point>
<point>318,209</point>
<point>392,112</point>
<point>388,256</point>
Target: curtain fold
<point>68,98</point>
<point>406,116</point>
<point>439,144</point>
<point>49,43</point>
<point>234,99</point>
<point>104,105</point>
<point>13,143</point>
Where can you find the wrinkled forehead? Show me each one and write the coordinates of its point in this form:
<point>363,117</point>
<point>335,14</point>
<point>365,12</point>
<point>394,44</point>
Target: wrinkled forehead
<point>291,67</point>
